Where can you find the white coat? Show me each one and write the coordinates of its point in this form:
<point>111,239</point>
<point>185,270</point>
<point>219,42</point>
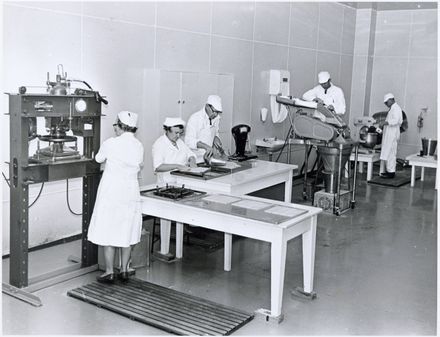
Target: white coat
<point>199,128</point>
<point>390,137</point>
<point>333,96</point>
<point>117,218</point>
<point>164,152</point>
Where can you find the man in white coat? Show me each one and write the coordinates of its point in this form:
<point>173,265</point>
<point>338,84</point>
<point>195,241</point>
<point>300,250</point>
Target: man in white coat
<point>202,129</point>
<point>117,218</point>
<point>391,135</point>
<point>327,93</point>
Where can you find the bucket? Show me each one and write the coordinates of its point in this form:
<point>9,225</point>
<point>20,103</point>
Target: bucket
<point>428,146</point>
<point>140,254</point>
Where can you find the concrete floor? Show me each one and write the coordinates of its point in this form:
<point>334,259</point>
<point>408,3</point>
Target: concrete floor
<point>375,274</point>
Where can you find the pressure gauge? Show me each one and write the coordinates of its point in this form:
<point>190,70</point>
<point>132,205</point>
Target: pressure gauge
<point>80,105</point>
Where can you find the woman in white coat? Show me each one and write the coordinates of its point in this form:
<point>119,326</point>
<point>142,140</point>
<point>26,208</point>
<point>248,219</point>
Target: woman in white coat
<point>391,135</point>
<point>117,218</point>
<point>170,152</point>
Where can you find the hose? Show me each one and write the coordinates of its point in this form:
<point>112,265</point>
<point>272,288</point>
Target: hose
<point>7,180</point>
<point>67,199</point>
<point>39,193</point>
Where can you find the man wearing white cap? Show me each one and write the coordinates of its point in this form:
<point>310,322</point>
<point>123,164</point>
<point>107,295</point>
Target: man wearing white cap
<point>202,130</point>
<point>170,152</point>
<point>327,93</point>
<point>117,218</point>
<point>391,135</point>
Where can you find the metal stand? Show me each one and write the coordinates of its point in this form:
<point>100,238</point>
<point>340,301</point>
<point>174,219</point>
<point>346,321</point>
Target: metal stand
<point>25,170</point>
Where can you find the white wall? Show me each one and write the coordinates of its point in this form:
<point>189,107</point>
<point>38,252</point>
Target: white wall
<point>397,49</point>
<point>98,41</point>
<point>405,63</point>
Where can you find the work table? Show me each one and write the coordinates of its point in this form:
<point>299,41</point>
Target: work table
<point>295,220</point>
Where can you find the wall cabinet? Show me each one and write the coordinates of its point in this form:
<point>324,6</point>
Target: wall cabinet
<point>157,94</point>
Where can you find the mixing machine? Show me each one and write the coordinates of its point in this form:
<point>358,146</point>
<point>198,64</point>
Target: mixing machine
<point>316,125</point>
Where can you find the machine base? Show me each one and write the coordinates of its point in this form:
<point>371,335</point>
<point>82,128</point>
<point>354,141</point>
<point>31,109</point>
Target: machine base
<point>328,203</point>
<point>300,293</point>
<point>265,315</point>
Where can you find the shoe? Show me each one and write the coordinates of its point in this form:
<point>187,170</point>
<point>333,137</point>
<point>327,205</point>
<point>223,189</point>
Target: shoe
<point>109,278</point>
<point>123,276</point>
<point>131,271</point>
<point>388,175</point>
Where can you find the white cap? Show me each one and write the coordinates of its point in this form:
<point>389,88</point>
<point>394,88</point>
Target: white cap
<point>323,77</point>
<point>128,118</point>
<point>387,97</point>
<point>171,121</point>
<point>215,101</point>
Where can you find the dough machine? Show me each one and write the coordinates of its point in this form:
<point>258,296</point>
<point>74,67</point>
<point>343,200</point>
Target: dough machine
<point>315,125</point>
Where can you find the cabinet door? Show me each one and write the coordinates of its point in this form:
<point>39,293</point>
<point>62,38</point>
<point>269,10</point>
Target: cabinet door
<point>191,98</point>
<point>170,95</point>
<point>225,89</point>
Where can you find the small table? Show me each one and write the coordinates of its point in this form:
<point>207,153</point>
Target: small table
<point>426,161</point>
<point>368,158</point>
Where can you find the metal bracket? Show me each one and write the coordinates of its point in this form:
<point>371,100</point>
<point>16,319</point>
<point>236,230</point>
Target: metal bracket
<point>300,293</point>
<point>168,258</point>
<point>21,295</point>
<point>44,281</point>
<point>266,316</point>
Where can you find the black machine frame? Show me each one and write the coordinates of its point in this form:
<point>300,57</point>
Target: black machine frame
<point>25,170</point>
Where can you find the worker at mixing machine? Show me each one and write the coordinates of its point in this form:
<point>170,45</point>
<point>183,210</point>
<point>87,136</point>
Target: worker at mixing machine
<point>117,218</point>
<point>327,93</point>
<point>391,135</point>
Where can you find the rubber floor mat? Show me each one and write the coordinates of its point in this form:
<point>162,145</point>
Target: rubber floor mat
<point>163,308</point>
<point>401,178</point>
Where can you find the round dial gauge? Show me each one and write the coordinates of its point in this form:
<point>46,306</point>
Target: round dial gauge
<point>80,105</point>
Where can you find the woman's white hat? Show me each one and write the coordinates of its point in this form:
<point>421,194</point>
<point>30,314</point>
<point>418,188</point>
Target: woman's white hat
<point>173,121</point>
<point>128,118</point>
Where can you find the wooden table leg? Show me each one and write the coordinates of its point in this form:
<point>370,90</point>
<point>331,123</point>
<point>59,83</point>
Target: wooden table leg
<point>422,175</point>
<point>165,233</point>
<point>369,171</point>
<point>308,246</point>
<point>288,188</point>
<point>228,252</point>
<point>278,264</point>
<point>179,240</point>
<point>413,175</point>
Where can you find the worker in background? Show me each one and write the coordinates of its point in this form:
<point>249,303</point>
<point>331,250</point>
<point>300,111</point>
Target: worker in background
<point>202,130</point>
<point>327,93</point>
<point>117,218</point>
<point>170,152</point>
<point>391,135</point>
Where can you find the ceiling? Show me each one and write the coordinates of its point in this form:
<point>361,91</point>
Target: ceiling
<point>392,6</point>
